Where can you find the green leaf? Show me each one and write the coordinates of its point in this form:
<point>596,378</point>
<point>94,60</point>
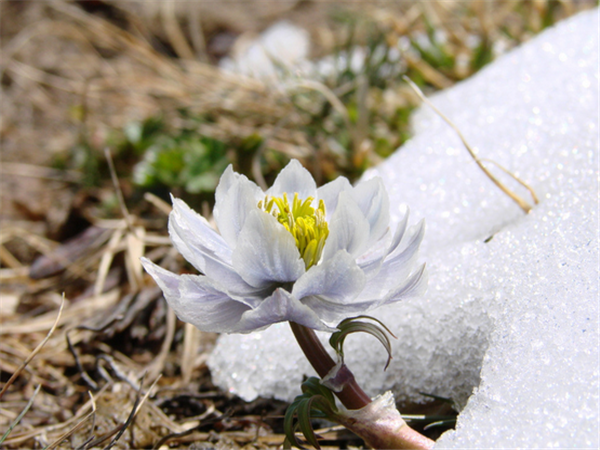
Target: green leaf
<point>20,416</point>
<point>206,182</point>
<point>304,409</point>
<point>288,423</point>
<point>482,55</point>
<point>316,401</point>
<point>353,325</point>
<point>312,386</point>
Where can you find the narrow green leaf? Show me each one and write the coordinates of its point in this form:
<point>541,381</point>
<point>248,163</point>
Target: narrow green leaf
<point>353,325</point>
<point>369,318</point>
<point>288,425</point>
<point>20,416</point>
<point>304,409</point>
<point>322,407</point>
<point>312,386</point>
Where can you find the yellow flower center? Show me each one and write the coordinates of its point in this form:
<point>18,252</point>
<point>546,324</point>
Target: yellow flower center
<point>307,225</point>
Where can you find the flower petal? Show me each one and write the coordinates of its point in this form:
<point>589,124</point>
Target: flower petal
<point>333,312</point>
<point>337,279</point>
<point>196,233</point>
<point>202,246</point>
<point>196,300</point>
<point>396,266</point>
<point>370,261</point>
<point>294,178</point>
<point>236,196</point>
<point>414,286</point>
<point>330,288</point>
<point>330,193</point>
<point>279,307</point>
<point>224,276</point>
<point>348,229</point>
<point>266,253</point>
<point>372,199</point>
<point>376,251</point>
<point>399,233</point>
<point>227,180</point>
<point>399,263</point>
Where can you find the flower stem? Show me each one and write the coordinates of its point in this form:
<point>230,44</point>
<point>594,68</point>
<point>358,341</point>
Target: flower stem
<point>354,398</point>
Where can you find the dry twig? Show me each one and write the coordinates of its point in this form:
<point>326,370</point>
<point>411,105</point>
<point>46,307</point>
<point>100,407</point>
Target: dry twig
<point>16,374</point>
<point>516,198</point>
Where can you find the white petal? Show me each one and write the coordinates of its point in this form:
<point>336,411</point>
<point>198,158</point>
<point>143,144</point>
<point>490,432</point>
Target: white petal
<point>225,183</point>
<point>399,233</point>
<point>294,178</point>
<point>195,299</point>
<point>372,199</point>
<point>235,198</point>
<point>193,237</point>
<point>414,286</point>
<point>196,232</point>
<point>372,266</point>
<point>396,266</point>
<point>399,263</point>
<point>266,253</point>
<point>330,288</point>
<point>370,262</point>
<point>348,229</point>
<point>188,250</point>
<point>337,279</point>
<point>333,312</point>
<point>330,192</point>
<point>280,307</point>
<point>222,274</point>
<point>376,251</point>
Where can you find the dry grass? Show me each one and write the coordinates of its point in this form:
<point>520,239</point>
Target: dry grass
<point>117,369</point>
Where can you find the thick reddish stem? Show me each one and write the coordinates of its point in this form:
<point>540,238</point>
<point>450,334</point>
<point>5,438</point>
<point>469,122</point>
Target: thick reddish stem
<point>352,396</point>
<point>376,433</point>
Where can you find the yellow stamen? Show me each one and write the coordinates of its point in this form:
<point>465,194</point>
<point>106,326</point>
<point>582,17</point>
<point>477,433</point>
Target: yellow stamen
<point>307,225</point>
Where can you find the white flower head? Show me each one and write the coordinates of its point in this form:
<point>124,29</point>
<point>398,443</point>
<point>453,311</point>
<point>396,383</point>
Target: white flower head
<point>293,253</point>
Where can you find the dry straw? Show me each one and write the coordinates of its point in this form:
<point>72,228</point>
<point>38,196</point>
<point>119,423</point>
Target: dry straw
<point>516,198</point>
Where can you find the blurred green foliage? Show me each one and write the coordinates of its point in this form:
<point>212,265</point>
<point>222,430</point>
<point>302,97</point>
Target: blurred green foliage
<point>364,72</point>
<point>181,158</point>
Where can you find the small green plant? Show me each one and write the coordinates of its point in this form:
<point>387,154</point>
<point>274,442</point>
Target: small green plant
<point>354,133</point>
<point>432,48</point>
<point>192,163</point>
<point>176,159</point>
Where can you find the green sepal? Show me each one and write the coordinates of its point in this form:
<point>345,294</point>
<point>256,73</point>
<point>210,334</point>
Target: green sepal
<point>353,325</point>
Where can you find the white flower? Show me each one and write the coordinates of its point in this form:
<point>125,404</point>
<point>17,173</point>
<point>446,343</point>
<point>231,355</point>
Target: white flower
<point>327,255</point>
